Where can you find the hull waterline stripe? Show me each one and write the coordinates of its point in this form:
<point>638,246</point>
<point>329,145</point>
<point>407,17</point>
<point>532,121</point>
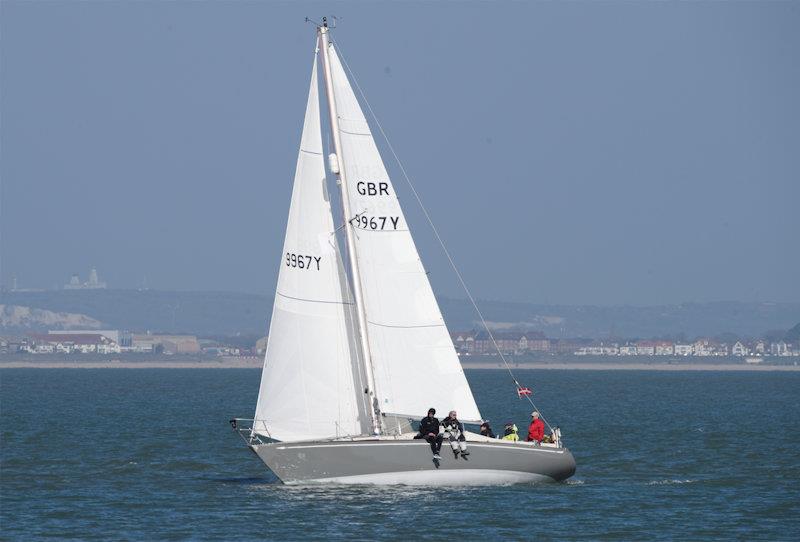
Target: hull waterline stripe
<point>461,477</point>
<point>470,444</point>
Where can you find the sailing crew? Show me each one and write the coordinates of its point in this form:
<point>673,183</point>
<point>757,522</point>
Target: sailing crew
<point>486,430</point>
<point>429,430</point>
<point>511,432</point>
<point>454,432</point>
<point>536,428</point>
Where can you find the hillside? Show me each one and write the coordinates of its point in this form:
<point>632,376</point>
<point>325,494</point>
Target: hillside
<point>226,313</point>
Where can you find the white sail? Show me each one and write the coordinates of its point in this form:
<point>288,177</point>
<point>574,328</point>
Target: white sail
<point>414,361</point>
<point>308,384</point>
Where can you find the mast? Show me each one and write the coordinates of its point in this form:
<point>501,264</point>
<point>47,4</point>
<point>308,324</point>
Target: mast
<point>362,338</point>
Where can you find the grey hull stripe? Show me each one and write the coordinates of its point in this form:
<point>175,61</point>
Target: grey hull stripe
<point>510,447</point>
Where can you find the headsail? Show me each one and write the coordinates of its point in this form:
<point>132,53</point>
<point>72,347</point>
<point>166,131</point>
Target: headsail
<point>310,378</point>
<point>414,361</point>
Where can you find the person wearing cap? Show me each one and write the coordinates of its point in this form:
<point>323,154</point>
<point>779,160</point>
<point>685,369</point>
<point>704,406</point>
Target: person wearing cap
<point>511,432</point>
<point>536,428</point>
<point>486,430</point>
<point>429,430</point>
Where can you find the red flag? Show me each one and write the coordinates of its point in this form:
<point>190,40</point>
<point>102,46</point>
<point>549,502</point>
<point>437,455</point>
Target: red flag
<point>523,391</point>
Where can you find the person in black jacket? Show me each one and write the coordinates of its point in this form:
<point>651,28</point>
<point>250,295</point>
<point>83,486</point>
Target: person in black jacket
<point>454,432</point>
<point>486,430</point>
<point>429,430</point>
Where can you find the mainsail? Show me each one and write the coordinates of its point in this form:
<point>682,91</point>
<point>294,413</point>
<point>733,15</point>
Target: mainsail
<point>413,358</point>
<point>310,378</point>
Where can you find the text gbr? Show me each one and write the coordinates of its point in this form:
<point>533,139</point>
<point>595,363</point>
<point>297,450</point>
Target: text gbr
<point>370,188</point>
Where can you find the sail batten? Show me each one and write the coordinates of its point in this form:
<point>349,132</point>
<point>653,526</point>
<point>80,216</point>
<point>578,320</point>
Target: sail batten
<point>333,302</point>
<point>310,381</point>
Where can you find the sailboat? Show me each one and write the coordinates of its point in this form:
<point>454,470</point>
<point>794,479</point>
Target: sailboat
<point>358,349</point>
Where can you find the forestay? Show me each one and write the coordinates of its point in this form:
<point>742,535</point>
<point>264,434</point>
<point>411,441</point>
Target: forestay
<point>414,361</point>
<point>310,376</point>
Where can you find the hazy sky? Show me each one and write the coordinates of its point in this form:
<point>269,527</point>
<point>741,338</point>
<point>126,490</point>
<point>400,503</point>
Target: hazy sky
<point>581,152</point>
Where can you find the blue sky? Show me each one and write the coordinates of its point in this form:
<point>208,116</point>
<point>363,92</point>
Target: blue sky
<point>581,152</point>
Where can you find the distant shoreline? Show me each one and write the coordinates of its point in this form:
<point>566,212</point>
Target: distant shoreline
<point>225,364</point>
<point>256,363</point>
<point>612,366</point>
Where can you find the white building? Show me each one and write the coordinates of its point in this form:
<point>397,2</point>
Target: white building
<point>111,334</point>
<point>664,348</point>
<point>92,284</point>
<point>703,347</point>
<point>684,349</point>
<point>779,349</point>
<point>740,349</point>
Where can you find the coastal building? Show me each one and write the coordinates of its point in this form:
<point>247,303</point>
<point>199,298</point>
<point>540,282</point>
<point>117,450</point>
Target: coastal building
<point>568,346</point>
<point>684,349</point>
<point>627,350</point>
<point>664,348</point>
<point>168,344</point>
<point>704,347</point>
<point>537,343</point>
<point>508,342</point>
<point>779,349</point>
<point>645,348</point>
<point>93,283</point>
<point>112,334</point>
<point>598,349</point>
<point>69,343</point>
<point>740,349</point>
<point>13,344</point>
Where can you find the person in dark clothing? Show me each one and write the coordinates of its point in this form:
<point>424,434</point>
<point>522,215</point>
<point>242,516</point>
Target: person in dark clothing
<point>454,432</point>
<point>486,430</point>
<point>429,430</point>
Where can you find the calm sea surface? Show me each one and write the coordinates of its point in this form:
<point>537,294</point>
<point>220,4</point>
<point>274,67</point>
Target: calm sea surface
<point>148,454</point>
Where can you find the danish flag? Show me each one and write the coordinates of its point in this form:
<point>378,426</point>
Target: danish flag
<point>523,391</point>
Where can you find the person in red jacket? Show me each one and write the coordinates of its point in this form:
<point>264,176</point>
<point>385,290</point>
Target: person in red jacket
<point>536,429</point>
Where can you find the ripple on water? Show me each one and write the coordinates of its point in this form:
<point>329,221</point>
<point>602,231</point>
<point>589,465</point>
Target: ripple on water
<point>669,482</point>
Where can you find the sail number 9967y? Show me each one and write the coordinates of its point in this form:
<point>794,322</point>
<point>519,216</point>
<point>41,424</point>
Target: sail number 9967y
<point>375,222</point>
<point>302,261</point>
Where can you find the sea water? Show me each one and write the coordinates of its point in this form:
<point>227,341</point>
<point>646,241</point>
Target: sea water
<point>148,454</point>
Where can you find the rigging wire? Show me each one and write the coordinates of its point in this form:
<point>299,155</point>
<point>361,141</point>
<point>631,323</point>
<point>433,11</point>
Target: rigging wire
<point>436,232</point>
